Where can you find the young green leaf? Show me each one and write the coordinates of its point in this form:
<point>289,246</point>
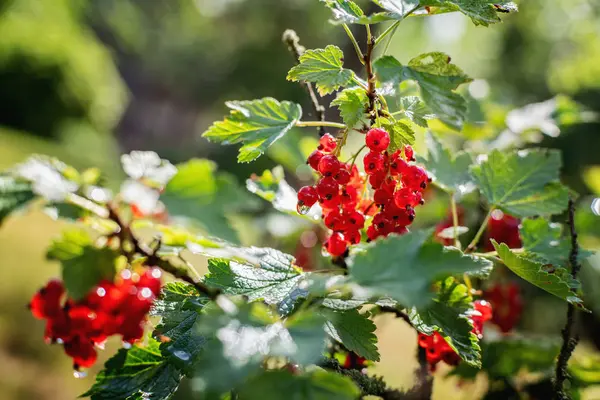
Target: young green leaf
<point>450,171</point>
<point>256,123</point>
<point>201,195</point>
<point>272,281</point>
<point>14,194</point>
<point>448,314</point>
<point>83,264</point>
<point>136,373</point>
<point>317,384</point>
<point>404,267</point>
<point>481,12</point>
<point>348,12</point>
<point>354,330</point>
<point>523,183</point>
<point>352,104</point>
<point>416,110</point>
<point>400,133</point>
<point>437,78</point>
<point>324,67</point>
<point>552,279</point>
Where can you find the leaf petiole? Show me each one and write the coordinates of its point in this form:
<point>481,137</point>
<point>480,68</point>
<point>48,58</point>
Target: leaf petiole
<point>320,123</point>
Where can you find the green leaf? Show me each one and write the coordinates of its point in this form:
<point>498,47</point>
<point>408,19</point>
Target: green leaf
<point>437,79</point>
<point>404,267</point>
<point>307,330</point>
<point>315,385</point>
<point>324,67</point>
<point>481,12</point>
<point>448,314</point>
<point>523,183</point>
<point>352,104</point>
<point>400,133</point>
<point>83,264</point>
<point>272,280</point>
<point>179,307</point>
<point>416,110</point>
<point>450,170</point>
<point>348,12</point>
<point>354,330</point>
<point>201,195</point>
<point>138,373</point>
<point>256,123</point>
<point>14,194</point>
<point>554,280</point>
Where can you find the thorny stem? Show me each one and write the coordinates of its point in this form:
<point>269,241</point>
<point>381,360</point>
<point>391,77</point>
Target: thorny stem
<point>321,124</point>
<point>126,235</point>
<point>475,240</point>
<point>454,220</point>
<point>570,339</point>
<point>354,43</point>
<point>291,39</point>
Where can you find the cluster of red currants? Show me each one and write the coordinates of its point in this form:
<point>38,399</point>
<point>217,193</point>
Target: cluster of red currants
<point>436,347</point>
<point>396,189</point>
<point>507,303</point>
<point>503,228</point>
<point>111,308</point>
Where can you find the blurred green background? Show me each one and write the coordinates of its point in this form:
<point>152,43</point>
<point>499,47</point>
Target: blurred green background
<point>86,80</point>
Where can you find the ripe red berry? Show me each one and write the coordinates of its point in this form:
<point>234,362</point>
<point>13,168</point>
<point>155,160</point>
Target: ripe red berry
<point>333,220</point>
<point>415,178</point>
<point>377,140</point>
<point>503,228</point>
<point>314,158</point>
<point>373,162</point>
<point>327,143</point>
<point>353,237</point>
<point>507,305</point>
<point>405,196</point>
<point>327,188</point>
<point>409,153</point>
<point>342,176</point>
<point>329,165</point>
<point>336,244</point>
<point>307,196</point>
<point>356,220</point>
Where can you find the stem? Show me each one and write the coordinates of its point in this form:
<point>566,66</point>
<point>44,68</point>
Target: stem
<point>359,83</point>
<point>353,158</point>
<point>359,53</point>
<point>454,220</point>
<point>475,240</point>
<point>570,339</point>
<point>341,143</point>
<point>125,234</point>
<point>371,93</point>
<point>392,28</point>
<point>87,205</point>
<point>320,123</point>
<point>290,37</point>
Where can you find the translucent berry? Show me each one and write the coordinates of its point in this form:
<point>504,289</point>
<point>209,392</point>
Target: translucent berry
<point>353,237</point>
<point>329,165</point>
<point>307,196</point>
<point>356,220</point>
<point>314,158</point>
<point>336,245</point>
<point>327,143</point>
<point>373,162</point>
<point>405,196</point>
<point>327,188</point>
<point>409,153</point>
<point>377,140</point>
<point>342,176</point>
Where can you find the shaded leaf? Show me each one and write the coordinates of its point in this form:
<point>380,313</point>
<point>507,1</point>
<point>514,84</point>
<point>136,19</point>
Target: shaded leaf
<point>481,12</point>
<point>404,267</point>
<point>14,194</point>
<point>324,67</point>
<point>256,123</point>
<point>355,331</point>
<point>138,373</point>
<point>554,280</point>
<point>83,264</point>
<point>416,110</point>
<point>523,183</point>
<point>450,171</point>
<point>352,104</point>
<point>437,78</point>
<point>314,385</point>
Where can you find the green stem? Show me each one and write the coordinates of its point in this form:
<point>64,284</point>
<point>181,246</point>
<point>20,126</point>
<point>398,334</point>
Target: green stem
<point>392,28</point>
<point>86,204</point>
<point>475,240</point>
<point>359,83</point>
<point>454,220</point>
<point>320,123</point>
<point>353,158</point>
<point>359,53</point>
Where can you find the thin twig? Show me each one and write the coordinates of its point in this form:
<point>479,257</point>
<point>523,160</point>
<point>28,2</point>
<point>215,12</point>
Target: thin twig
<point>371,93</point>
<point>475,240</point>
<point>570,339</point>
<point>126,235</point>
<point>454,220</point>
<point>354,43</point>
<point>398,313</point>
<point>291,39</point>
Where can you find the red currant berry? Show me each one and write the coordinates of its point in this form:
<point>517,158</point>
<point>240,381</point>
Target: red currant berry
<point>353,237</point>
<point>314,158</point>
<point>356,220</point>
<point>327,143</point>
<point>382,197</point>
<point>327,188</point>
<point>409,153</point>
<point>333,220</point>
<point>377,179</point>
<point>342,176</point>
<point>336,244</point>
<point>373,162</point>
<point>307,196</point>
<point>329,165</point>
<point>405,196</point>
<point>377,140</point>
<point>398,166</point>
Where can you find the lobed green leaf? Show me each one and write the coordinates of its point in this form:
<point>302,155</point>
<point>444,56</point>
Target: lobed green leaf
<point>354,330</point>
<point>352,104</point>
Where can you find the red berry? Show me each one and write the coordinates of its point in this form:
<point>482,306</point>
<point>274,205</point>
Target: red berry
<point>503,228</point>
<point>377,179</point>
<point>314,158</point>
<point>336,244</point>
<point>377,140</point>
<point>353,237</point>
<point>382,197</point>
<point>415,178</point>
<point>327,188</point>
<point>329,165</point>
<point>82,351</point>
<point>373,162</point>
<point>507,305</point>
<point>356,220</point>
<point>333,220</point>
<point>398,166</point>
<point>342,176</point>
<point>327,143</point>
<point>406,197</point>
<point>307,196</point>
<point>46,303</point>
<point>372,232</point>
<point>409,153</point>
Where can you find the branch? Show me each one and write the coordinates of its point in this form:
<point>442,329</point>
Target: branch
<point>570,339</point>
<point>291,39</point>
<point>371,93</point>
<point>126,235</point>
